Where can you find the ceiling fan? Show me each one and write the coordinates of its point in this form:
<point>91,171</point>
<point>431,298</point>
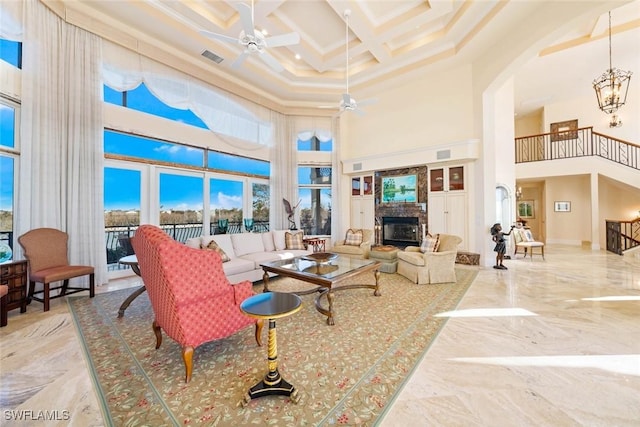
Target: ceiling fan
<point>254,41</point>
<point>348,103</point>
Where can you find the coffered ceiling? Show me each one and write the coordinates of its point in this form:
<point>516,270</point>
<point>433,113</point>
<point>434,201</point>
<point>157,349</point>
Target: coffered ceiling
<point>388,41</point>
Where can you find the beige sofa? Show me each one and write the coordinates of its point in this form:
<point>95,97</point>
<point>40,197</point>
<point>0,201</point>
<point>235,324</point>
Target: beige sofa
<point>246,251</point>
<point>430,267</point>
<point>352,251</point>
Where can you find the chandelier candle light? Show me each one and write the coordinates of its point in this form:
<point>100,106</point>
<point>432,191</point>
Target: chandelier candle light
<point>612,87</point>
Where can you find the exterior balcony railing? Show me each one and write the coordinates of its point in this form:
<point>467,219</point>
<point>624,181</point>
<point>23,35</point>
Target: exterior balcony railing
<point>117,237</point>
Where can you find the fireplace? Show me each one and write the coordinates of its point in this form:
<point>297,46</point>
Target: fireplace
<point>400,231</point>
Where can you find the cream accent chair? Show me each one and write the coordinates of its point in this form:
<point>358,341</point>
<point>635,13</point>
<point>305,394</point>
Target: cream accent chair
<point>352,251</point>
<point>524,240</point>
<point>430,267</point>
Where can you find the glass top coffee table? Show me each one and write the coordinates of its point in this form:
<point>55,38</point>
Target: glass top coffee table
<point>326,275</point>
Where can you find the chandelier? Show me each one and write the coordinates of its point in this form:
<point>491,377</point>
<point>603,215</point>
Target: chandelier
<point>612,86</point>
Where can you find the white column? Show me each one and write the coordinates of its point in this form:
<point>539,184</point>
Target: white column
<point>595,213</point>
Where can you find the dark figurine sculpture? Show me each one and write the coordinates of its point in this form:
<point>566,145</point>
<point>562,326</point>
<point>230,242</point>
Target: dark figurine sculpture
<point>291,213</point>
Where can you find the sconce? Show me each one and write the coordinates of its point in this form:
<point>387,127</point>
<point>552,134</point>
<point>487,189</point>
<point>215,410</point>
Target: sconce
<point>518,193</point>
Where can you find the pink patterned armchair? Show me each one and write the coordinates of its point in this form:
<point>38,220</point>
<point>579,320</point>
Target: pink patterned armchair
<point>191,297</point>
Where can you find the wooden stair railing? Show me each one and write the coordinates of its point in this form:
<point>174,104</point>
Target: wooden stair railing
<point>622,235</point>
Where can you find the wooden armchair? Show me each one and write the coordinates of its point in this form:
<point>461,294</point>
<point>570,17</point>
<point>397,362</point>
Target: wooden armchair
<point>47,252</point>
<point>430,266</point>
<point>192,299</point>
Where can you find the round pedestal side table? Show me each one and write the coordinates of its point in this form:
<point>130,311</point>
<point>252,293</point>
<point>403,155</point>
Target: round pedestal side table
<point>271,306</point>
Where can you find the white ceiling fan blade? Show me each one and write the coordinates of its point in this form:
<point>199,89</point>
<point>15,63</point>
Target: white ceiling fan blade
<point>271,61</point>
<point>359,112</point>
<point>245,17</point>
<point>283,40</point>
<point>220,37</point>
<point>240,59</point>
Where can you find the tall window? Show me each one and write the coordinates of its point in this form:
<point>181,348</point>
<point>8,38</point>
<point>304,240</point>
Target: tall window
<point>181,204</point>
<point>260,206</point>
<point>183,188</point>
<point>9,156</point>
<point>122,203</point>
<point>314,188</point>
<point>226,202</point>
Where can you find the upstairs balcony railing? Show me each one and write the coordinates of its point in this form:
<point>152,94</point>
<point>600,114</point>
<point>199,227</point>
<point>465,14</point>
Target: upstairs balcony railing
<point>583,142</point>
<point>580,142</point>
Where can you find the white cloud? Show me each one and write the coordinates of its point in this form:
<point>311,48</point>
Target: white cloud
<point>226,201</point>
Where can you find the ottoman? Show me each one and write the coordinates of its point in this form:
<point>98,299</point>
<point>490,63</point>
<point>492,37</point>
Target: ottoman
<point>388,257</point>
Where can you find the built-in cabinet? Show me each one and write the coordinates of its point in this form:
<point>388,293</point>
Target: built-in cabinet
<point>362,202</point>
<point>447,201</point>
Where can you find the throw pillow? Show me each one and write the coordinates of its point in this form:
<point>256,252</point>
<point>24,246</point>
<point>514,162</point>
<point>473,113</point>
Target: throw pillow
<point>293,241</point>
<point>213,246</point>
<point>353,237</point>
<point>430,244</point>
<point>528,236</point>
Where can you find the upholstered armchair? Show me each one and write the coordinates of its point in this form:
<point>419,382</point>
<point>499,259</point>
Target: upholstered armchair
<point>356,244</point>
<point>192,299</point>
<point>46,249</point>
<point>430,266</point>
<point>523,239</point>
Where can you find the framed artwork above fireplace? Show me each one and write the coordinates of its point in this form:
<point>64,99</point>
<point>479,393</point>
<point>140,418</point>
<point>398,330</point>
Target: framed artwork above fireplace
<point>399,189</point>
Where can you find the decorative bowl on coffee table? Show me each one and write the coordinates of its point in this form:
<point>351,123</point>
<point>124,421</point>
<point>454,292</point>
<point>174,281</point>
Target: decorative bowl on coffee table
<point>321,257</point>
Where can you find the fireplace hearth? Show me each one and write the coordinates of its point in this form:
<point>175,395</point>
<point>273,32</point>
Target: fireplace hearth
<point>400,231</point>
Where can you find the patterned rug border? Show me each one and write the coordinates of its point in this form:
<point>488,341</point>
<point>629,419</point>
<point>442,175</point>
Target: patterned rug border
<point>105,325</point>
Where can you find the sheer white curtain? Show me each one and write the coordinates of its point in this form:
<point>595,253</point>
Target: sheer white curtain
<point>246,125</point>
<point>336,182</point>
<point>11,20</point>
<point>61,152</point>
<point>284,164</point>
<point>284,170</point>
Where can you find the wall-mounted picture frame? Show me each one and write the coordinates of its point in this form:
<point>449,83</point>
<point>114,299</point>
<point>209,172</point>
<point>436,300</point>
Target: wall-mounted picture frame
<point>562,206</point>
<point>525,209</point>
<point>400,189</point>
<point>561,131</point>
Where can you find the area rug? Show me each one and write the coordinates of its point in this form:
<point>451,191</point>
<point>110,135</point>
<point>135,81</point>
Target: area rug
<point>346,374</point>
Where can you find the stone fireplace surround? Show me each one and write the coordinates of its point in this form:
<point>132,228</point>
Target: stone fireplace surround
<point>402,209</point>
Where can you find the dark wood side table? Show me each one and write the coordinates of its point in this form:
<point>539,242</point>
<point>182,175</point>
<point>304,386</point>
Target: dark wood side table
<point>14,275</point>
<point>131,261</point>
<point>317,243</point>
<point>271,305</point>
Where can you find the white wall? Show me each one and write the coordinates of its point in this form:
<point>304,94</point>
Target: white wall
<point>431,110</point>
<point>573,227</point>
<point>585,109</point>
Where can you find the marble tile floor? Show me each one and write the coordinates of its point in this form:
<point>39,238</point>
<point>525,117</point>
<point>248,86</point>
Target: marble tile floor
<point>545,343</point>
